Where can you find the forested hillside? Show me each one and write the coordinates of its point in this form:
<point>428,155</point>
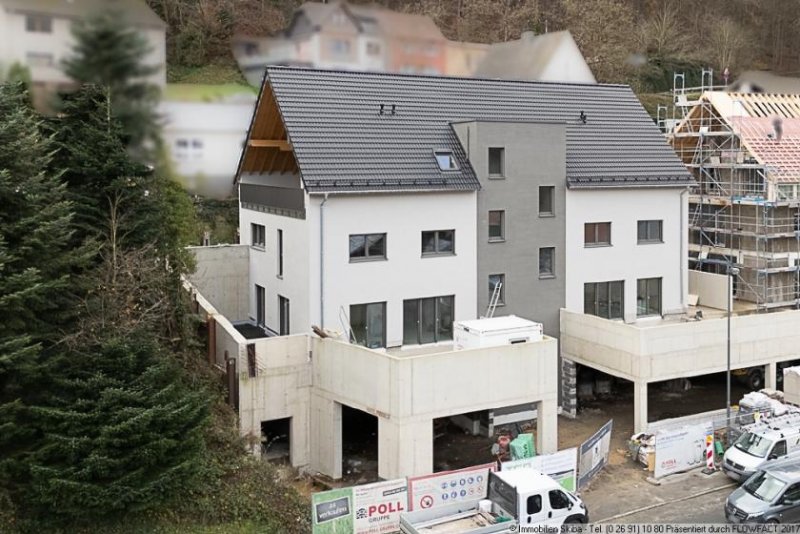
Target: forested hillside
<point>640,42</point>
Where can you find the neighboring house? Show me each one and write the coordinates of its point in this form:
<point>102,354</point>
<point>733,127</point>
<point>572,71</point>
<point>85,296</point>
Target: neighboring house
<point>550,57</point>
<point>37,34</point>
<point>205,139</point>
<point>755,81</point>
<point>462,58</point>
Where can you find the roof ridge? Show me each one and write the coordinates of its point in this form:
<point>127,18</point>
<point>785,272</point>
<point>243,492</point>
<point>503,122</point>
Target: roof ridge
<point>442,76</point>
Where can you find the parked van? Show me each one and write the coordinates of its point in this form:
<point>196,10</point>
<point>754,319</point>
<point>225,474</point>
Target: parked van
<point>761,443</point>
<point>770,495</point>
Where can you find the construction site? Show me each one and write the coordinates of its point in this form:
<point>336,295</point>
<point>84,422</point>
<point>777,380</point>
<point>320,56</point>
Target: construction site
<point>743,150</point>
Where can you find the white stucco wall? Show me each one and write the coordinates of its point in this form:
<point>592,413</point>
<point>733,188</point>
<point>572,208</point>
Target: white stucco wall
<point>405,274</point>
<point>295,282</point>
<point>567,65</point>
<point>712,290</point>
<point>625,259</point>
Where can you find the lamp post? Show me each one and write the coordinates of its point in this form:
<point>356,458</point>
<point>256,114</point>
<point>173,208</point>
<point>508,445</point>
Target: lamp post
<point>732,271</point>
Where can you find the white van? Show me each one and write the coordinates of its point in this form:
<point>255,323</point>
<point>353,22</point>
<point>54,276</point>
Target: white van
<point>762,442</point>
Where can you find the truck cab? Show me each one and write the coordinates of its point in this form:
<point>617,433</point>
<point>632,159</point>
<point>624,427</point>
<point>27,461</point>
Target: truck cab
<point>516,499</point>
<point>761,444</point>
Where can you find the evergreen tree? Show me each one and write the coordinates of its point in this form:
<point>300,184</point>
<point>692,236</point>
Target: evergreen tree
<point>123,432</point>
<point>108,53</point>
<point>39,263</point>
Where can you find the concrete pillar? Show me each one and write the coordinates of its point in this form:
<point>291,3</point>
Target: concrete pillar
<point>639,406</point>
<point>405,448</point>
<point>569,388</point>
<point>547,427</point>
<point>771,375</point>
<point>326,436</point>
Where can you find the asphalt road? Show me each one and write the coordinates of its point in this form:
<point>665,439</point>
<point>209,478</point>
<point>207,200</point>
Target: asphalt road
<point>708,508</point>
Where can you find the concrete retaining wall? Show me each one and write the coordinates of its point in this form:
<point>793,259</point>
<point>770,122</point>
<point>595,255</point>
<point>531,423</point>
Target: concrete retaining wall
<point>221,275</point>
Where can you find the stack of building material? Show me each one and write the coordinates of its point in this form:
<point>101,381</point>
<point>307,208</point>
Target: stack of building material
<point>791,385</point>
<point>642,446</point>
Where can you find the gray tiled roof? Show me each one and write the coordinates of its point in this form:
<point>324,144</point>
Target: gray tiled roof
<point>342,143</point>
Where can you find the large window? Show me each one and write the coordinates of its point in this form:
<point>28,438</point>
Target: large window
<point>497,225</point>
<point>438,242</point>
<point>368,322</point>
<point>38,23</point>
<point>257,235</point>
<point>546,200</point>
<point>261,306</point>
<point>340,47</point>
<point>497,158</point>
<point>597,234</point>
<point>280,253</point>
<point>283,311</point>
<point>494,281</point>
<point>604,299</point>
<point>547,262</point>
<point>649,232</point>
<point>367,247</point>
<point>648,297</point>
<point>427,320</point>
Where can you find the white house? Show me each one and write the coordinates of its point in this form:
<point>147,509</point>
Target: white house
<point>205,141</point>
<point>38,34</point>
<point>377,236</point>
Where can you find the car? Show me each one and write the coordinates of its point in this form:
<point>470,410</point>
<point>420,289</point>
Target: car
<point>770,495</point>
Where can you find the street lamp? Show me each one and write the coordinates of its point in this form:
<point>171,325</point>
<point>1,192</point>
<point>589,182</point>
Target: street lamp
<point>732,271</point>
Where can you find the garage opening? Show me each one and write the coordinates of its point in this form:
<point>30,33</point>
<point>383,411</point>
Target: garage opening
<point>480,437</point>
<point>359,446</point>
<point>693,395</point>
<point>276,440</point>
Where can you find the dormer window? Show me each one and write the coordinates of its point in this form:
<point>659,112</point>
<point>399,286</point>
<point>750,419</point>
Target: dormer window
<point>446,160</point>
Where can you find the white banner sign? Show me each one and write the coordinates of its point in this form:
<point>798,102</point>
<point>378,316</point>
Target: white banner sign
<point>561,466</point>
<point>681,449</point>
<point>449,487</point>
<point>377,507</point>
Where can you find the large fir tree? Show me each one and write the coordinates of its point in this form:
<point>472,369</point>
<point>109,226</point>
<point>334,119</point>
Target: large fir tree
<point>39,264</point>
<point>108,53</point>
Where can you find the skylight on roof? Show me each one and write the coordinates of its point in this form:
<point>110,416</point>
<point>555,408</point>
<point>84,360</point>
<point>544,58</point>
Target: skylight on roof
<point>446,160</point>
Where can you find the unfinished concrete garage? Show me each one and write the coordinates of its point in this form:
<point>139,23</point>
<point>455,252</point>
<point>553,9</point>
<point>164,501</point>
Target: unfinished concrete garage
<point>276,439</point>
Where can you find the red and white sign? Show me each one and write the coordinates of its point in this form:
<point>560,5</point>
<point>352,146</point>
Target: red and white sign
<point>377,507</point>
<point>430,491</point>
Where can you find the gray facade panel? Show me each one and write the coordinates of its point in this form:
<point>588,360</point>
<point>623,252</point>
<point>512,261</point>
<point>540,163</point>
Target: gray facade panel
<point>273,197</point>
<point>534,155</point>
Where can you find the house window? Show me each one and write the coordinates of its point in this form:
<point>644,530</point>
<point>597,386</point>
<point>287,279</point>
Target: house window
<point>367,247</point>
<point>604,299</point>
<point>438,242</point>
<point>497,225</point>
<point>597,234</point>
<point>186,149</point>
<point>261,306</point>
<point>39,23</point>
<point>283,312</point>
<point>340,47</point>
<point>547,262</point>
<point>497,162</point>
<point>280,253</point>
<point>39,59</point>
<point>496,280</point>
<point>373,49</point>
<point>649,232</point>
<point>446,160</point>
<point>546,198</point>
<point>427,320</point>
<point>648,297</point>
<point>258,235</point>
<point>368,323</point>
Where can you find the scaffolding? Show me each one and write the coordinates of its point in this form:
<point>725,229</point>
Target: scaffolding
<point>736,217</point>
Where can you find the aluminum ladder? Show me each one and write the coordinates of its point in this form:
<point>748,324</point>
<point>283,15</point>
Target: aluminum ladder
<point>495,298</point>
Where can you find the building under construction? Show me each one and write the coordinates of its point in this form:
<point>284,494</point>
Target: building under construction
<point>743,150</point>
